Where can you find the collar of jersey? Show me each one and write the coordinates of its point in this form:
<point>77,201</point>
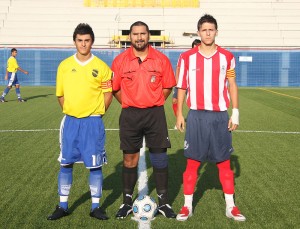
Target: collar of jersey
<point>149,56</point>
<point>85,62</point>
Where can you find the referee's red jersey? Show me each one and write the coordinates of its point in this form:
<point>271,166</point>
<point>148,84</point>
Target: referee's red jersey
<point>142,83</point>
<point>206,78</point>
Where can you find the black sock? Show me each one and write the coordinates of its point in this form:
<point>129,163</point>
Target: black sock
<point>161,181</point>
<point>129,178</point>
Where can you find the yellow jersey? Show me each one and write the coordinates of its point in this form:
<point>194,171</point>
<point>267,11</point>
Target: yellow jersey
<point>12,64</point>
<point>83,86</point>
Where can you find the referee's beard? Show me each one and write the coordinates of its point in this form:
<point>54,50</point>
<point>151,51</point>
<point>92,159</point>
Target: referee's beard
<point>140,45</point>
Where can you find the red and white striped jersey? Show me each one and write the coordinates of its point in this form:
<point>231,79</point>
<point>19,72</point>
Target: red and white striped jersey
<point>205,78</point>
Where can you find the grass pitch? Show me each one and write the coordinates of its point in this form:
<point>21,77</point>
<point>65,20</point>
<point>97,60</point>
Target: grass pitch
<point>265,162</point>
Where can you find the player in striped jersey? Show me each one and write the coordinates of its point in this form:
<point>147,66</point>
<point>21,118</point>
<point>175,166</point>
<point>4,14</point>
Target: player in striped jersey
<point>207,73</point>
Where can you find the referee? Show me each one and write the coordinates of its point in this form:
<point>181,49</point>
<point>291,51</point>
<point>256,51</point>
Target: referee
<point>143,79</point>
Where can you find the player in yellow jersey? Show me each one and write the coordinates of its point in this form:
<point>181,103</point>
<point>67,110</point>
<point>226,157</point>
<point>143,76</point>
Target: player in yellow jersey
<point>11,76</point>
<point>84,92</point>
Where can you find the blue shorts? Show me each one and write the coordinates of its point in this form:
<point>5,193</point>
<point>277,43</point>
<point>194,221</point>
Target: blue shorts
<point>207,136</point>
<point>82,139</point>
<point>12,79</point>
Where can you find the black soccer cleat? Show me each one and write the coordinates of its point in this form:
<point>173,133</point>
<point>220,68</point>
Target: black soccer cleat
<point>98,213</point>
<point>124,211</point>
<point>166,211</point>
<point>58,213</point>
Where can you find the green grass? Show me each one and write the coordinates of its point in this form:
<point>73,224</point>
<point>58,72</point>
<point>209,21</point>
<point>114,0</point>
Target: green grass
<point>266,166</point>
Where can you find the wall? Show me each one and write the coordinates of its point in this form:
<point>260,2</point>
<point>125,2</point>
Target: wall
<point>255,68</point>
<point>251,23</point>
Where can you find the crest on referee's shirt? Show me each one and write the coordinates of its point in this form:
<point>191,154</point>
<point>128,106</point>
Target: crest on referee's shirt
<point>153,78</point>
<point>95,72</point>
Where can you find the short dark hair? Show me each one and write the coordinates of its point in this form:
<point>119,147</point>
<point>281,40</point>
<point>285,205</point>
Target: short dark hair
<point>207,18</point>
<point>139,23</point>
<point>13,50</point>
<point>83,28</point>
<point>196,42</point>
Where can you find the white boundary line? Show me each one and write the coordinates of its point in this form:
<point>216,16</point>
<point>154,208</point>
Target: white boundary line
<point>142,172</point>
<point>143,181</point>
<point>239,131</point>
<point>267,131</point>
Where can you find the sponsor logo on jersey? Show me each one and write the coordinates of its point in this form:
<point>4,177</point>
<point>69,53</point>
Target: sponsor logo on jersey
<point>223,69</point>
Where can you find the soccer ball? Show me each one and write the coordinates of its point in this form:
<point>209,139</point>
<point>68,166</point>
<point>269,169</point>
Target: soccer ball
<point>144,208</point>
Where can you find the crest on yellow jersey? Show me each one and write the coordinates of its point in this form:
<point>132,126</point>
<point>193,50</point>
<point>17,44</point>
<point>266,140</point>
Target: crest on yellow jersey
<point>95,72</point>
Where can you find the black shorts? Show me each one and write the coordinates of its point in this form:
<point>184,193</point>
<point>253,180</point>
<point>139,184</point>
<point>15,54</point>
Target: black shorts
<point>135,123</point>
<point>207,136</point>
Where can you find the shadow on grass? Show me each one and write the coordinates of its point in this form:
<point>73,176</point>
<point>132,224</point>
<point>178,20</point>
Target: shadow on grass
<point>176,167</point>
<point>113,182</point>
<point>209,178</point>
<point>38,96</point>
<point>86,196</point>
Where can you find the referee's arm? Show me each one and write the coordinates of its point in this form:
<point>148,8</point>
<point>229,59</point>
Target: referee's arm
<point>167,92</point>
<point>117,95</point>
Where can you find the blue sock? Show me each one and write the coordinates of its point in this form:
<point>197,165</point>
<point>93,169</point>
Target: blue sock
<point>5,92</point>
<point>95,205</point>
<point>18,93</point>
<point>65,179</point>
<point>96,181</point>
<point>64,205</point>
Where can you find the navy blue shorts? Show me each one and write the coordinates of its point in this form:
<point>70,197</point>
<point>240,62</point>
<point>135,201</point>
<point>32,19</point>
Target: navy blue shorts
<point>207,136</point>
<point>136,123</point>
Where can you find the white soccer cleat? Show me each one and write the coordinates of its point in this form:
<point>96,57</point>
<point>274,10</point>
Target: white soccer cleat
<point>234,213</point>
<point>184,214</point>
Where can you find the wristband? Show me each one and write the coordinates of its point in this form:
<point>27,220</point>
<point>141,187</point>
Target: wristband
<point>235,116</point>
